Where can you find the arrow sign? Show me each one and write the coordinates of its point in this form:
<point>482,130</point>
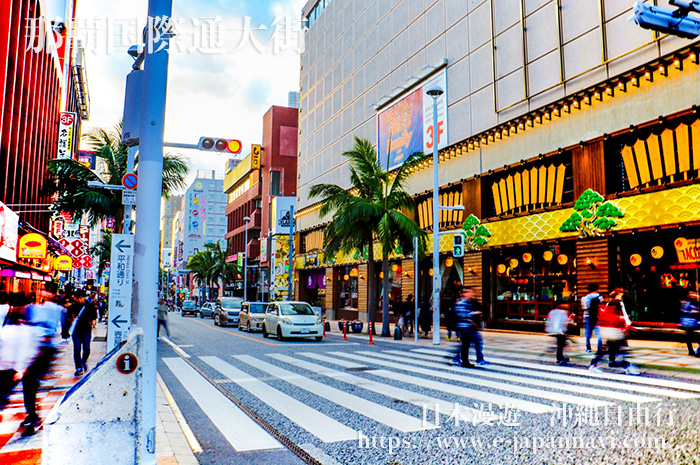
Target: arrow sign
<point>116,321</point>
<point>121,246</point>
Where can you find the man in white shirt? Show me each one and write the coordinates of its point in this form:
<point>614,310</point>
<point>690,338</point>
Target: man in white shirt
<point>590,304</point>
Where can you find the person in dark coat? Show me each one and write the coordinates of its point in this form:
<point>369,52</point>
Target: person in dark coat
<point>465,314</point>
<point>425,316</point>
<point>85,318</point>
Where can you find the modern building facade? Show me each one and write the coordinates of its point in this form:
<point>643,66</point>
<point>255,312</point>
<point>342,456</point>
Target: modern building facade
<point>253,183</point>
<point>293,99</point>
<point>169,208</point>
<point>542,101</point>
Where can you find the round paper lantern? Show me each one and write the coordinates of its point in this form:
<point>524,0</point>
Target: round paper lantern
<point>657,252</point>
<point>346,277</point>
<point>527,257</point>
<point>430,271</point>
<point>635,259</point>
<point>394,267</point>
<point>513,262</point>
<point>501,268</point>
<point>562,259</point>
<point>548,255</point>
<point>449,262</point>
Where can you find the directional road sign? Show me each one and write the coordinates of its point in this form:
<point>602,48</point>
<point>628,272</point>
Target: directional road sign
<point>130,181</point>
<point>120,289</point>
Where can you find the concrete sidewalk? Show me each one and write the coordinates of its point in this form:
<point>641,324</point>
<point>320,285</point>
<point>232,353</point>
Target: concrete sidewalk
<point>174,441</point>
<point>671,357</point>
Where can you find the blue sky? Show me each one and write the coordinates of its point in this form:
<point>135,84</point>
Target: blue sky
<point>223,94</point>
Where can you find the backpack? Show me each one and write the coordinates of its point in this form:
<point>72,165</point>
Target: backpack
<point>611,322</point>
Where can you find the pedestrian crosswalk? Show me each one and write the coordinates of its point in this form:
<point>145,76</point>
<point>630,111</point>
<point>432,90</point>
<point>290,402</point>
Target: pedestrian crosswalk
<point>359,390</point>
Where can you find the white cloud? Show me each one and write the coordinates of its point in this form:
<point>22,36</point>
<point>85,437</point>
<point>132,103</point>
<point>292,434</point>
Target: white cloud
<point>220,95</point>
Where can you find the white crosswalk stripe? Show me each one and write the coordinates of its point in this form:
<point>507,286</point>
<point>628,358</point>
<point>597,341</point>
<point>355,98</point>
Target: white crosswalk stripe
<point>656,382</point>
<point>316,423</point>
<point>567,378</point>
<point>484,396</point>
<point>404,395</point>
<point>237,427</point>
<point>486,373</point>
<point>372,410</point>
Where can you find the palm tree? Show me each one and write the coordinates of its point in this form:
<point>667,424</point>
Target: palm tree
<point>102,250</point>
<point>200,265</point>
<point>221,271</point>
<point>376,207</point>
<point>70,178</point>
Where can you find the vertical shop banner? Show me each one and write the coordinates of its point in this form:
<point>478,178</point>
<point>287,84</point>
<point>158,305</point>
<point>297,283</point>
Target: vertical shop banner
<point>406,126</point>
<point>9,222</point>
<point>65,135</point>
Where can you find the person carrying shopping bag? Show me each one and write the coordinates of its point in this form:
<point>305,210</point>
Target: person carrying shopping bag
<point>613,323</point>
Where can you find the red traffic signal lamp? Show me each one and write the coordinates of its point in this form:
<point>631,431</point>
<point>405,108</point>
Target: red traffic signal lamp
<point>211,144</point>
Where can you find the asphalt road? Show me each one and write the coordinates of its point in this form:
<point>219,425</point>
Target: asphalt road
<point>346,402</point>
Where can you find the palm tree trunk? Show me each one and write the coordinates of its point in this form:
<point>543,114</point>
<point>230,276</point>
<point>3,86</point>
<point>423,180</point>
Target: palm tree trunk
<point>385,290</point>
<point>371,305</point>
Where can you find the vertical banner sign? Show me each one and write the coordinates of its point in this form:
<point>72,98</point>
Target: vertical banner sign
<point>9,222</point>
<point>120,289</point>
<point>406,126</point>
<point>255,157</point>
<point>65,135</point>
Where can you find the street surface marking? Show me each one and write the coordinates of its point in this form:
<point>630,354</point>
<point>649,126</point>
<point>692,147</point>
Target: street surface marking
<point>385,415</point>
<point>234,334</point>
<point>237,427</point>
<point>487,373</point>
<point>187,431</point>
<point>319,455</point>
<point>384,389</point>
<point>177,350</point>
<point>316,423</point>
<point>528,406</point>
<point>567,378</point>
<point>582,372</point>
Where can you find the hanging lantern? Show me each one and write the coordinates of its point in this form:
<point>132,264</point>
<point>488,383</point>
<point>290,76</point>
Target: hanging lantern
<point>657,252</point>
<point>562,259</point>
<point>514,263</point>
<point>394,267</point>
<point>381,275</point>
<point>346,277</point>
<point>449,262</point>
<point>635,259</point>
<point>527,257</point>
<point>547,255</point>
<point>430,271</point>
<point>501,268</point>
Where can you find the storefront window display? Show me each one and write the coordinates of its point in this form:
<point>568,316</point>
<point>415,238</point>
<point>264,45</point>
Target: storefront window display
<point>658,269</point>
<point>394,283</point>
<point>530,280</point>
<point>346,278</point>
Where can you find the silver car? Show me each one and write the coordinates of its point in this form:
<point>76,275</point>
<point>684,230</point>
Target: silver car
<point>227,311</point>
<point>252,316</point>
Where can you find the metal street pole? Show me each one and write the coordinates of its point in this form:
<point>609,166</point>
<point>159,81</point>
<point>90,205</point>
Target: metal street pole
<point>291,252</point>
<point>436,92</point>
<point>415,293</point>
<point>148,195</point>
<point>245,261</point>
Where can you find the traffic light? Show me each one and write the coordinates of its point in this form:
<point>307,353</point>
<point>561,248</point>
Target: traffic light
<point>675,22</point>
<point>211,144</point>
<point>458,245</point>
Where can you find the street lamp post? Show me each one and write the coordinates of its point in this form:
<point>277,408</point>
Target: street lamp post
<point>435,92</point>
<point>245,261</point>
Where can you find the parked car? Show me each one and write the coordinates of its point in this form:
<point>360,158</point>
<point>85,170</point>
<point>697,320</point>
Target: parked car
<point>208,310</point>
<point>227,310</point>
<point>189,307</point>
<point>252,316</point>
<point>292,319</point>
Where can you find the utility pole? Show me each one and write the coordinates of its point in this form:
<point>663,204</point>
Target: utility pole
<point>291,253</point>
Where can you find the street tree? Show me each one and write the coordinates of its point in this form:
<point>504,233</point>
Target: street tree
<point>592,215</point>
<point>200,265</point>
<point>221,271</point>
<point>69,178</point>
<point>376,207</point>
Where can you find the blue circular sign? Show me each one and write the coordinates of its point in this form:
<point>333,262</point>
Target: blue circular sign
<point>195,224</point>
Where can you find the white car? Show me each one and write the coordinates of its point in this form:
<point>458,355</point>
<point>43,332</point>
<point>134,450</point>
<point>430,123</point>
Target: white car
<point>292,319</point>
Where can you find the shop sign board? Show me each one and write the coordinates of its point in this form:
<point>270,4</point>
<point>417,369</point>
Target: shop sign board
<point>688,250</point>
<point>32,246</point>
<point>65,134</point>
<point>406,126</point>
<point>9,222</point>
<point>255,156</point>
<point>281,219</point>
<point>64,263</point>
<point>120,289</point>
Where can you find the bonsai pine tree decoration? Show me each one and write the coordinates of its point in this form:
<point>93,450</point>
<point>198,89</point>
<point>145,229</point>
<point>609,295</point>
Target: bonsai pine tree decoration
<point>592,215</point>
<point>477,234</point>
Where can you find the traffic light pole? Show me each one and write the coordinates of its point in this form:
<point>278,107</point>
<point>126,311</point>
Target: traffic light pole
<point>148,195</point>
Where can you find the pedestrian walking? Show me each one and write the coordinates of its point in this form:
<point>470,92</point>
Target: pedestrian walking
<point>425,316</point>
<point>590,303</point>
<point>558,321</point>
<point>162,318</point>
<point>85,317</point>
<point>690,321</point>
<point>409,307</point>
<point>466,313</point>
<point>46,318</point>
<point>613,323</point>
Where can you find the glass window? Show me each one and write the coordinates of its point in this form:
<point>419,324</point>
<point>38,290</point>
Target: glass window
<point>275,182</point>
<point>347,282</point>
<point>295,309</point>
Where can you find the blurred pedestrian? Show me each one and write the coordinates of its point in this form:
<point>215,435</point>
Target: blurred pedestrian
<point>558,321</point>
<point>410,311</point>
<point>46,318</point>
<point>590,303</point>
<point>425,317</point>
<point>613,321</point>
<point>162,318</point>
<point>690,321</point>
<point>85,317</point>
<point>466,313</point>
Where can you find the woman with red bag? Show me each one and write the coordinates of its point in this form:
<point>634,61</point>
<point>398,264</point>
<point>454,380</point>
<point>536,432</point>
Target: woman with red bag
<point>613,322</point>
